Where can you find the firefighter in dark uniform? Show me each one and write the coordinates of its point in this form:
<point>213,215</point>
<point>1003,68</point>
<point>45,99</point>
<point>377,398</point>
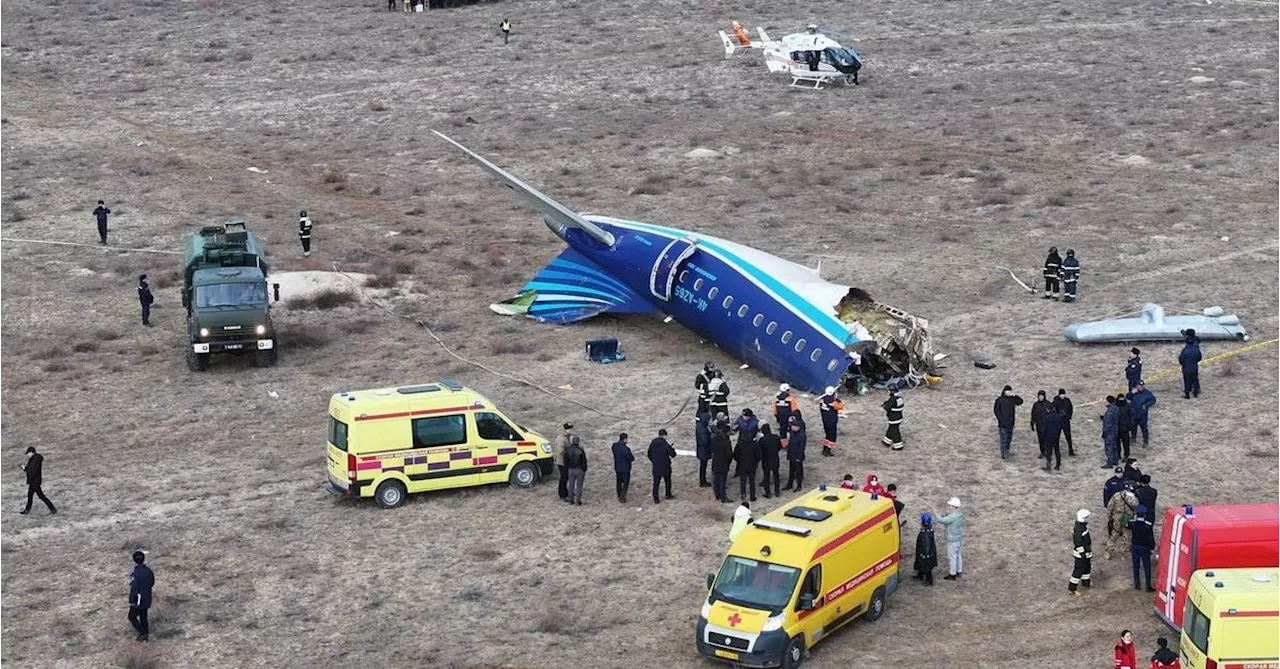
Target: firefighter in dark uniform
<point>304,232</point>
<point>893,415</point>
<point>1070,276</point>
<point>700,383</point>
<point>829,407</point>
<point>145,298</point>
<point>718,392</point>
<point>1052,266</point>
<point>1082,552</point>
<point>782,408</point>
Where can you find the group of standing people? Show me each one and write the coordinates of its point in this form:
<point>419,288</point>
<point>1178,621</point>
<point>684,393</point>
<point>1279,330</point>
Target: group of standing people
<point>1130,501</point>
<point>1061,276</point>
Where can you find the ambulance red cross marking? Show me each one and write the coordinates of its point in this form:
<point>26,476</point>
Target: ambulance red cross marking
<point>734,620</point>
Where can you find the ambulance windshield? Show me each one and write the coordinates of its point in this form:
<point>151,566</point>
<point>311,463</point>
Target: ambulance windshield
<point>755,584</point>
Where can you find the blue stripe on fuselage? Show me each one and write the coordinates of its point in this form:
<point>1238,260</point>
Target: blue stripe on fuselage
<point>829,325</point>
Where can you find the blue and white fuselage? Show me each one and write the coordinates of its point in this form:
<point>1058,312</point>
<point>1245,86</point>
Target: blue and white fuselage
<point>773,314</point>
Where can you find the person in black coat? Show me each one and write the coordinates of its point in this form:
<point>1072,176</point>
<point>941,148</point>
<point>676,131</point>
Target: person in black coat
<point>1049,429</point>
<point>33,465</point>
<point>660,453</point>
<point>1052,268</point>
<point>1037,412</point>
<point>1062,404</point>
<point>1124,421</point>
<point>145,298</point>
<point>1131,470</point>
<point>1133,369</point>
<point>100,213</point>
<point>1005,409</point>
<point>141,581</point>
<point>1189,360</point>
<point>721,456</point>
<point>796,442</point>
<point>926,550</point>
<point>1147,497</point>
<point>702,439</point>
<point>770,447</point>
<point>747,456</point>
<point>622,459</point>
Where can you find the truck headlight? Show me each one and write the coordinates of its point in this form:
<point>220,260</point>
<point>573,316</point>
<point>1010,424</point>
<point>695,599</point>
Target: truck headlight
<point>773,623</point>
<point>546,447</point>
<point>706,609</point>
<point>261,329</point>
<point>204,332</point>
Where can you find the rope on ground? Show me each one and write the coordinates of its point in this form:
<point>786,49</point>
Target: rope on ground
<point>94,246</point>
<point>422,324</point>
<point>1170,373</point>
<point>1015,278</point>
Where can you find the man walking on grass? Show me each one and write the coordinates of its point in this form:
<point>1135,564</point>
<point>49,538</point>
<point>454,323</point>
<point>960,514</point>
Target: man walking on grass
<point>33,465</point>
<point>140,583</point>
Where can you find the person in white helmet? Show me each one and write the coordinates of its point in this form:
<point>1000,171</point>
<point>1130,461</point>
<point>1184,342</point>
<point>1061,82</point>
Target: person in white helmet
<point>1082,551</point>
<point>954,522</point>
<point>893,408</point>
<point>829,407</point>
<point>783,405</point>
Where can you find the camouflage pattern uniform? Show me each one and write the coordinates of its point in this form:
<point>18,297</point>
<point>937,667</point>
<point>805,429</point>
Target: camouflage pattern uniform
<point>1122,508</point>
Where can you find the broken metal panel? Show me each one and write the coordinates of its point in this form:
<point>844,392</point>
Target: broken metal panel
<point>899,350</point>
<point>1154,325</point>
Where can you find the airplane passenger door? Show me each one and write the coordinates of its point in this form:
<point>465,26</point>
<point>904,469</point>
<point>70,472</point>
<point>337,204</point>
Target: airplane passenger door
<point>663,275</point>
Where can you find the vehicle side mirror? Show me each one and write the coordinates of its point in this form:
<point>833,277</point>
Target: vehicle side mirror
<point>711,580</point>
<point>806,602</point>
<point>276,291</point>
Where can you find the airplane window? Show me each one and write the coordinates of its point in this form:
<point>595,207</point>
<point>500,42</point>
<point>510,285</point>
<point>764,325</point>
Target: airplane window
<point>786,337</point>
<point>684,276</point>
<point>773,327</point>
<point>742,311</point>
<point>711,294</point>
<point>800,345</point>
<point>817,353</point>
<point>697,283</point>
<point>757,320</point>
<point>728,301</point>
<point>831,366</point>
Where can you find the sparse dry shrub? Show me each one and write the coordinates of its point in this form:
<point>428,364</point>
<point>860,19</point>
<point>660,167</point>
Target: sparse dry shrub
<point>85,346</point>
<point>165,279</point>
<point>134,543</point>
<point>383,278</point>
<point>104,334</point>
<point>133,655</point>
<point>328,298</point>
<point>512,348</point>
<point>334,176</point>
<point>1228,367</point>
<point>652,184</point>
<point>21,194</point>
<point>305,337</point>
<point>55,366</point>
<point>404,266</point>
<point>712,512</point>
<point>378,106</point>
<point>552,621</point>
<point>484,551</point>
<point>417,210</point>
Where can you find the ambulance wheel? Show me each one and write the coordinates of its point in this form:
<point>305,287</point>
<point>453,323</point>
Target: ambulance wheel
<point>524,475</point>
<point>875,608</point>
<point>793,656</point>
<point>390,494</point>
<point>197,362</point>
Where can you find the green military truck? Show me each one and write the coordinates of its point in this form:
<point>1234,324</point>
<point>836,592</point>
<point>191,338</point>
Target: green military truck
<point>225,293</point>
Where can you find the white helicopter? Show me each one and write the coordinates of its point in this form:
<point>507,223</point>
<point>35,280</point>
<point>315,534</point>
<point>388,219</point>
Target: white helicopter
<point>811,58</point>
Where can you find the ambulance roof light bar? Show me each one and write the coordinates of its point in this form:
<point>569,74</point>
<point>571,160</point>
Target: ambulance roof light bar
<point>782,527</point>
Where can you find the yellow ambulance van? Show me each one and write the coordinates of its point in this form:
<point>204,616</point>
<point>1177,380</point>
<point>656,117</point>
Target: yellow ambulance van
<point>1232,619</point>
<point>798,574</point>
<point>388,442</point>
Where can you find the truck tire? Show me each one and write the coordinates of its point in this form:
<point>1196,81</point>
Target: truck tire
<point>390,494</point>
<point>265,358</point>
<point>524,475</point>
<point>875,608</point>
<point>197,362</point>
<point>793,655</point>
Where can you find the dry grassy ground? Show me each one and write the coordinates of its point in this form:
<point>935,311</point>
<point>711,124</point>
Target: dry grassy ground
<point>984,133</point>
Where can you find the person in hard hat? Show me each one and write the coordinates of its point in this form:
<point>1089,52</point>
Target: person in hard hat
<point>926,550</point>
<point>812,28</point>
<point>741,34</point>
<point>1052,266</point>
<point>304,232</point>
<point>741,518</point>
<point>954,520</point>
<point>893,408</point>
<point>718,391</point>
<point>783,405</point>
<point>829,408</point>
<point>701,382</point>
<point>1082,552</point>
<point>1070,276</point>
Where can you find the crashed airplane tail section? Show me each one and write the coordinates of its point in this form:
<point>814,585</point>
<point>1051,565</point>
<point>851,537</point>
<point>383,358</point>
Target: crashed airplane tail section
<point>896,346</point>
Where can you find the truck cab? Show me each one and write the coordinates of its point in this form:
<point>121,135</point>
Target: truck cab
<point>225,295</point>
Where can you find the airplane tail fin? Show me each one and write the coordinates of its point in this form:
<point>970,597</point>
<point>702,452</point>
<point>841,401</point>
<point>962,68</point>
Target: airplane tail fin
<point>557,215</point>
<point>728,45</point>
<point>572,288</point>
